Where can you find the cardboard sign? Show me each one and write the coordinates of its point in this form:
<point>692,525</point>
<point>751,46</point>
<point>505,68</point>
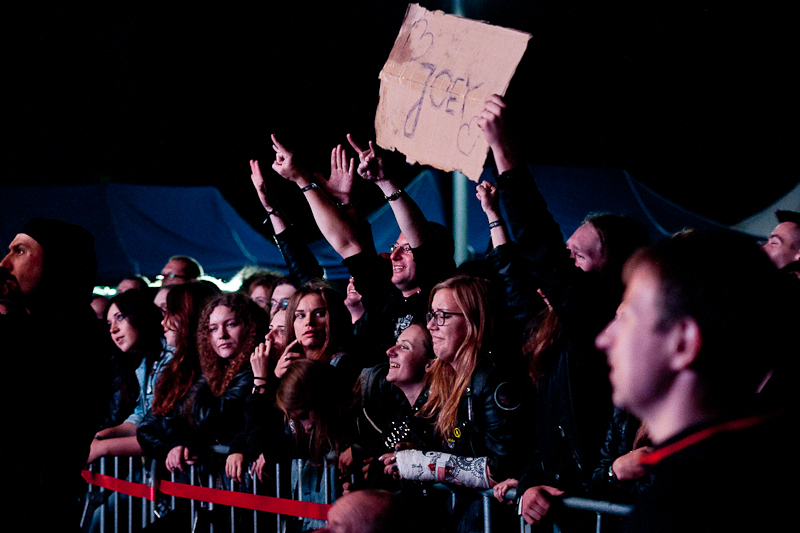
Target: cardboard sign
<point>433,86</point>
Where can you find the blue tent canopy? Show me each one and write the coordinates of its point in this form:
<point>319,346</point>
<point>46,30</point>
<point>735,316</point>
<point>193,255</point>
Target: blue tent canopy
<point>138,227</point>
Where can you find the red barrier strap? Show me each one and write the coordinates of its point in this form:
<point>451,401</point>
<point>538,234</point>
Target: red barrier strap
<point>246,501</point>
<point>136,490</point>
<point>241,500</point>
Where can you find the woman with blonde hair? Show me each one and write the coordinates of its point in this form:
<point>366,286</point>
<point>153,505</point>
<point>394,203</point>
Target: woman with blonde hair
<point>474,394</point>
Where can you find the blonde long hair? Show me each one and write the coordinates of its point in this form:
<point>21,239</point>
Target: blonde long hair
<point>449,382</point>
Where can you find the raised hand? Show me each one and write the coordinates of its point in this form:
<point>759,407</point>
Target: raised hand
<point>259,359</point>
<point>493,124</point>
<point>340,183</point>
<point>288,356</point>
<point>489,198</point>
<point>285,164</point>
<point>370,166</point>
<point>261,188</point>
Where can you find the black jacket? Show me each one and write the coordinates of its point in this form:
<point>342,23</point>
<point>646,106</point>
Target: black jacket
<point>572,393</point>
<point>619,440</point>
<point>490,418</point>
<point>201,420</point>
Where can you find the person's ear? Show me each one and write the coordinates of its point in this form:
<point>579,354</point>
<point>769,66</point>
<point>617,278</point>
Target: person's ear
<point>685,341</point>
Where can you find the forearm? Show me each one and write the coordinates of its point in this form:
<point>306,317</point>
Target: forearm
<point>126,429</point>
<point>443,467</point>
<point>335,226</point>
<point>409,216</point>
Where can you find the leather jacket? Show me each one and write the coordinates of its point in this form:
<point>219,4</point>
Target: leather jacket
<point>619,440</point>
<point>200,420</point>
<point>573,394</point>
<point>490,419</point>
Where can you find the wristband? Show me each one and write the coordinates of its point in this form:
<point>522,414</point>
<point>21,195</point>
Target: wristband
<point>262,379</point>
<point>496,224</point>
<point>344,206</point>
<point>270,213</point>
<point>394,196</point>
<point>308,187</point>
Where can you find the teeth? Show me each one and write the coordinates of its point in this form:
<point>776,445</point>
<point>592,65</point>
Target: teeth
<point>394,365</point>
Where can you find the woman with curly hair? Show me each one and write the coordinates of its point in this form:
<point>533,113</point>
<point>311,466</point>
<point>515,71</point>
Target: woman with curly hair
<point>185,302</point>
<point>229,328</point>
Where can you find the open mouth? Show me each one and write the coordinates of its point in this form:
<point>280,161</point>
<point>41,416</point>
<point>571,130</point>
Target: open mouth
<point>394,365</point>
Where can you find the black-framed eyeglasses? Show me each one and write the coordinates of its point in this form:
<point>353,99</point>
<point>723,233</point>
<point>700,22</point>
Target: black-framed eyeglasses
<point>440,317</point>
<point>404,248</point>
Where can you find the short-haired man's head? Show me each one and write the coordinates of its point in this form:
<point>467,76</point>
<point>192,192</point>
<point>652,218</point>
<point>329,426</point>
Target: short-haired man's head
<point>180,269</point>
<point>735,295</point>
<point>620,236</point>
<point>369,511</point>
<point>783,245</point>
<point>133,282</point>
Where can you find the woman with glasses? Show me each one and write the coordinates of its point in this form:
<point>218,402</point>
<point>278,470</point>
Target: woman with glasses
<point>475,398</point>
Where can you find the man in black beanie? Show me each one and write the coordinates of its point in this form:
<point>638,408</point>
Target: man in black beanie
<point>54,387</point>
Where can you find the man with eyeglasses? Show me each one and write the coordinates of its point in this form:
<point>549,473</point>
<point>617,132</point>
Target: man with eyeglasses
<point>180,269</point>
<point>393,295</point>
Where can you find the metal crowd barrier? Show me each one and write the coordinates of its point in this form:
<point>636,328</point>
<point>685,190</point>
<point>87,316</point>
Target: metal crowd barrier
<point>124,509</point>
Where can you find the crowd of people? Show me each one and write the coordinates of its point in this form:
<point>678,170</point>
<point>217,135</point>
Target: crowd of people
<point>658,374</point>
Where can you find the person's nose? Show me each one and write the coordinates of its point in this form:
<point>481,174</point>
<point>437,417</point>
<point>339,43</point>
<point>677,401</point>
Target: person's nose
<point>391,352</point>
<point>6,262</point>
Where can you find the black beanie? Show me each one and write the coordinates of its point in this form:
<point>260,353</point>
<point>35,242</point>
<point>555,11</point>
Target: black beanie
<point>69,255</point>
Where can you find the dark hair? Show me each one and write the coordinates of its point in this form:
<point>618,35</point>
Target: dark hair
<point>192,267</point>
<point>185,302</point>
<point>737,297</point>
<point>259,278</point>
<point>144,316</point>
<point>620,236</point>
<point>787,216</point>
<point>219,372</point>
<point>311,386</point>
<point>141,282</point>
<point>340,326</point>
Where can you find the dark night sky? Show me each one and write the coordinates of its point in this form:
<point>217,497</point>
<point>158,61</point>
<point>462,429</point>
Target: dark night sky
<point>693,98</point>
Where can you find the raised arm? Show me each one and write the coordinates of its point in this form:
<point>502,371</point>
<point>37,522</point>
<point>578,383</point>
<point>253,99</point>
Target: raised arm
<point>275,216</point>
<point>301,262</point>
<point>337,228</point>
<point>492,122</point>
<point>409,216</point>
<point>489,198</point>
